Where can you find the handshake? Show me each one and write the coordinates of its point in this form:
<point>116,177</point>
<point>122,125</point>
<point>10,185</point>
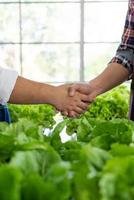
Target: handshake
<point>73,99</point>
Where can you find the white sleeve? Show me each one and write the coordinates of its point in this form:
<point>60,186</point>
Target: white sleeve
<point>8,79</point>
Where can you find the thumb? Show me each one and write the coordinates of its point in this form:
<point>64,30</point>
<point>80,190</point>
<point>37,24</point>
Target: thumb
<point>72,89</point>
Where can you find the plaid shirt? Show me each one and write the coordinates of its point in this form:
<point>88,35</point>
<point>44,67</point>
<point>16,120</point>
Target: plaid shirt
<point>125,51</point>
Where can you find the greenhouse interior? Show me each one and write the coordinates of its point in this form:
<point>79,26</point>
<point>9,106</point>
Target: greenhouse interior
<point>67,100</point>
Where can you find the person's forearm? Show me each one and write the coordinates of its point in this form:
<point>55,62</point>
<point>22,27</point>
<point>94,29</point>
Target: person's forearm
<point>26,91</point>
<point>31,92</point>
<point>111,77</point>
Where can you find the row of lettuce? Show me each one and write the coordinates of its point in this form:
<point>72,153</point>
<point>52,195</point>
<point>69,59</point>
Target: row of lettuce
<point>97,166</point>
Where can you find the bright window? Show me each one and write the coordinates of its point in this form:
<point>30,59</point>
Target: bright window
<point>60,41</point>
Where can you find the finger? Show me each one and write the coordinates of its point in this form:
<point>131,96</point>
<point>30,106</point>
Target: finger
<point>72,89</point>
<point>79,110</point>
<point>65,113</point>
<point>88,98</point>
<point>83,105</point>
<point>85,98</point>
<point>73,114</point>
<point>57,111</point>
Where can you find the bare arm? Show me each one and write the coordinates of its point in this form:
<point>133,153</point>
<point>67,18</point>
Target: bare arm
<point>31,92</point>
<point>112,76</point>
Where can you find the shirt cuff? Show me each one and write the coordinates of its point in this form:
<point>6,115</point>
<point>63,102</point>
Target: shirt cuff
<point>125,57</point>
<point>125,62</point>
<point>7,82</point>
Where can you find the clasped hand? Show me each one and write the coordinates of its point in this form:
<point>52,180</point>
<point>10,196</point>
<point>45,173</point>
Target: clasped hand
<point>74,98</point>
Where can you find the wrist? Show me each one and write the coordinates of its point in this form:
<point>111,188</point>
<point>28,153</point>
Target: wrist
<point>112,76</point>
<point>96,86</point>
<point>48,92</point>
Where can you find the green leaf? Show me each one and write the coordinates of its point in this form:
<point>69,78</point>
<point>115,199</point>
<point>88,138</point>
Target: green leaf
<point>84,130</point>
<point>35,161</point>
<point>117,179</point>
<point>7,147</point>
<point>94,156</point>
<point>55,140</point>
<point>121,150</point>
<point>70,150</point>
<point>106,133</point>
<point>34,187</point>
<point>10,183</point>
<point>59,175</point>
